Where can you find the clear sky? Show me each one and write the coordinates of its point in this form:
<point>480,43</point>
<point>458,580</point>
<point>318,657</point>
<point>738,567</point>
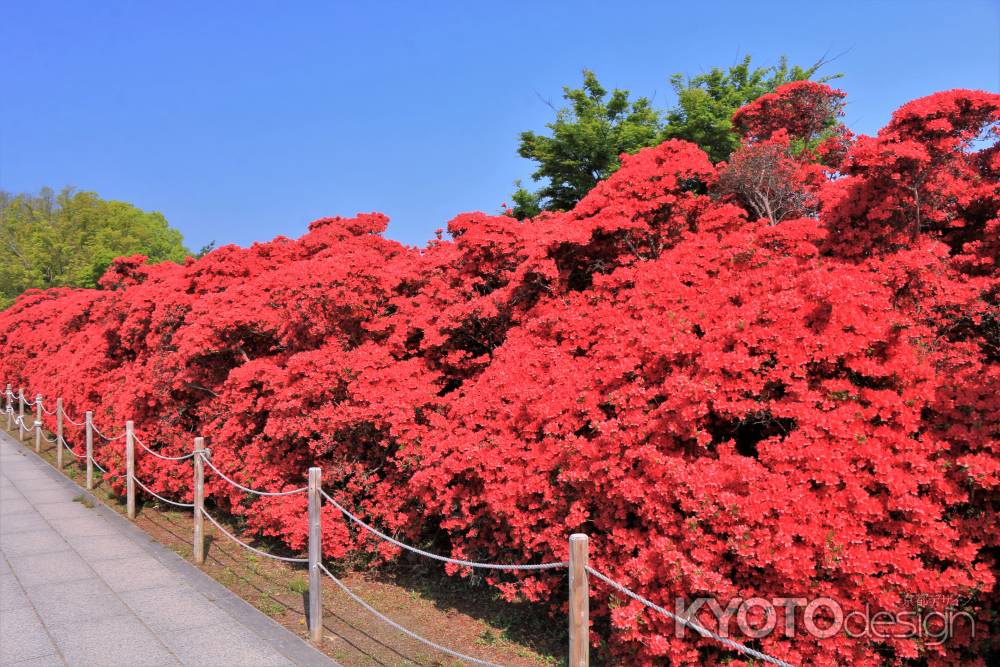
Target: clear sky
<point>244,120</point>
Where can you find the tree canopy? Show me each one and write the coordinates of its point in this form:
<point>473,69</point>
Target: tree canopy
<point>706,103</point>
<point>587,137</point>
<point>70,238</point>
<point>586,140</point>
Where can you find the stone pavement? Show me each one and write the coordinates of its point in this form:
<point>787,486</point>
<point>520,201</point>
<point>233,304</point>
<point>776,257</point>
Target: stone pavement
<point>83,586</point>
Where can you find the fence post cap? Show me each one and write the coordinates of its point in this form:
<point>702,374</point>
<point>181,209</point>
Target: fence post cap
<point>578,537</point>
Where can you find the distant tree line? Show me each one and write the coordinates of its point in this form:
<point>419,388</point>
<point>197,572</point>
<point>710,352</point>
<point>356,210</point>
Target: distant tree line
<point>70,238</point>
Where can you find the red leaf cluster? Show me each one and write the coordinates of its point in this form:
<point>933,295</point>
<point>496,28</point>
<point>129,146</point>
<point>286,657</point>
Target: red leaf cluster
<point>729,407</point>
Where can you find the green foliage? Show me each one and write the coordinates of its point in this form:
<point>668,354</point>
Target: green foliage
<point>298,585</point>
<point>52,240</point>
<point>589,135</point>
<point>706,103</point>
<point>205,249</point>
<point>586,140</point>
<point>527,204</point>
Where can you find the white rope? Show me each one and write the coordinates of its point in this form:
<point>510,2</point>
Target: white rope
<point>385,619</point>
<point>704,632</point>
<point>247,546</point>
<point>47,438</point>
<point>158,455</point>
<point>71,421</point>
<point>47,411</point>
<point>99,466</point>
<point>109,439</point>
<point>70,449</point>
<point>428,554</point>
<point>158,496</point>
<point>107,475</point>
<point>249,490</point>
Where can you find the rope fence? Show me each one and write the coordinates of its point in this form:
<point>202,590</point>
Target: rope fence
<point>99,466</point>
<point>247,546</point>
<point>69,449</point>
<point>107,437</point>
<point>382,617</point>
<point>444,559</point>
<point>71,420</point>
<point>256,492</point>
<point>697,627</point>
<point>577,565</point>
<point>161,456</point>
<point>159,497</point>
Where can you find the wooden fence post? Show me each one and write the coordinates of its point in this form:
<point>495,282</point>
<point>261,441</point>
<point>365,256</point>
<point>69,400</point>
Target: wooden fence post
<point>20,414</point>
<point>88,419</point>
<point>10,407</point>
<point>315,557</point>
<point>38,422</point>
<point>130,469</point>
<point>59,434</point>
<point>579,602</point>
<point>199,502</point>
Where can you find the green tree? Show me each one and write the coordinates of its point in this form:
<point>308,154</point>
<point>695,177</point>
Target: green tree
<point>587,137</point>
<point>52,240</point>
<point>706,103</point>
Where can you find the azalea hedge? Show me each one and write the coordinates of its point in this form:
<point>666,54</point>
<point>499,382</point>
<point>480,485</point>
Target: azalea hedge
<point>771,377</point>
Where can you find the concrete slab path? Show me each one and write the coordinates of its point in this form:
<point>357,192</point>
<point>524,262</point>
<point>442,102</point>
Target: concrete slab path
<point>83,586</point>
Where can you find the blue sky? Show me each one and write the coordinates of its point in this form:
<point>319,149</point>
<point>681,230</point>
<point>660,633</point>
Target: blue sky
<point>241,121</point>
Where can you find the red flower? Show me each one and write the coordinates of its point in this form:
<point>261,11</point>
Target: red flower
<point>729,407</point>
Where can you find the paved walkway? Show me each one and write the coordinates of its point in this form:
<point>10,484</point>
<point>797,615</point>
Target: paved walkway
<point>83,586</point>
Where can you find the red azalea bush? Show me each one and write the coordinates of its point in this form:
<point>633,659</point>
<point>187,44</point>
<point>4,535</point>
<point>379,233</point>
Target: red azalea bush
<point>802,109</point>
<point>728,406</point>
